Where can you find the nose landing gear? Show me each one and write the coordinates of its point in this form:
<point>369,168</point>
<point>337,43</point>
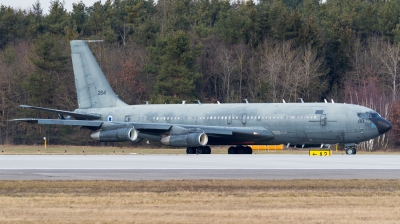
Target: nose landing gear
<point>351,150</point>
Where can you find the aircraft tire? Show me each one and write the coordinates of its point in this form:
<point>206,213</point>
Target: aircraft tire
<point>249,150</point>
<point>350,151</point>
<point>190,150</point>
<point>232,150</point>
<point>241,150</point>
<point>200,150</point>
<point>208,149</point>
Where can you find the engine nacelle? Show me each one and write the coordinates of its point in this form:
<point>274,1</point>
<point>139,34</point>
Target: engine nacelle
<point>116,135</point>
<point>189,140</point>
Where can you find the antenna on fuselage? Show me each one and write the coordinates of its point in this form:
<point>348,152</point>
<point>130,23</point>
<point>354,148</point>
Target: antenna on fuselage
<point>147,102</point>
<point>283,100</point>
<point>198,101</point>
<point>218,102</point>
<point>325,101</point>
<point>332,101</point>
<point>183,101</point>
<point>301,99</point>
<point>245,100</point>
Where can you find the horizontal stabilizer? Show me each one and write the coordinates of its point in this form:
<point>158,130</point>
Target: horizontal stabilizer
<point>78,116</point>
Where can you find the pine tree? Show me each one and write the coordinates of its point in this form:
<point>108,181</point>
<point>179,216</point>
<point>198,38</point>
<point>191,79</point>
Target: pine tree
<point>177,74</point>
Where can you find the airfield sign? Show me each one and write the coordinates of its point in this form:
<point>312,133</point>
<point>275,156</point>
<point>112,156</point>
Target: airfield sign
<point>314,152</point>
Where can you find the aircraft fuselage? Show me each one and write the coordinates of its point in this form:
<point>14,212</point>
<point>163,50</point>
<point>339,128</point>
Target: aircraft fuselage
<point>295,123</point>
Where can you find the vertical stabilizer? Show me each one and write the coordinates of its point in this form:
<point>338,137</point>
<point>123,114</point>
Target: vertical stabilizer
<point>92,87</point>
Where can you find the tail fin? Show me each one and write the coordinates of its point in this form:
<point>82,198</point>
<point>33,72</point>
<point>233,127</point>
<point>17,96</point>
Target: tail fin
<point>92,87</point>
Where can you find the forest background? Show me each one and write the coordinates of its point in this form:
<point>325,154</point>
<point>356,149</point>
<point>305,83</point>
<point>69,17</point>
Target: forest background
<point>173,50</point>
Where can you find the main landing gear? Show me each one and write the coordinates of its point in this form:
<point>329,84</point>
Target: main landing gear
<point>351,150</point>
<point>198,150</point>
<point>240,150</point>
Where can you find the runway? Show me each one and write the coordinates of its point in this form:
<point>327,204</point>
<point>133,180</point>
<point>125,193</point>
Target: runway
<point>167,167</point>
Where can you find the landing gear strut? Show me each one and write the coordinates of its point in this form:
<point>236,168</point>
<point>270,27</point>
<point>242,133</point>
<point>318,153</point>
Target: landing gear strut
<point>198,150</point>
<point>240,149</point>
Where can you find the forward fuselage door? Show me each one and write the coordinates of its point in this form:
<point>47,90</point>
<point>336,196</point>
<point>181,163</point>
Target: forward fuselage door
<point>323,121</point>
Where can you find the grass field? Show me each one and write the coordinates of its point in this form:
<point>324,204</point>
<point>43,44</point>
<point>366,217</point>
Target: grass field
<point>89,150</point>
<point>205,201</point>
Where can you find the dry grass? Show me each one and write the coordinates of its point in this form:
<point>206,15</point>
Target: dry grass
<point>201,201</point>
<point>89,150</point>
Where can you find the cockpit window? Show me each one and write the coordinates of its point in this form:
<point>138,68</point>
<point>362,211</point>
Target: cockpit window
<point>374,114</point>
<point>362,115</point>
<point>367,115</point>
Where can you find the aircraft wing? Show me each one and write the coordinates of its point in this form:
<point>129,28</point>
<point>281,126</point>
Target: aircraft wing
<point>79,116</point>
<point>157,129</point>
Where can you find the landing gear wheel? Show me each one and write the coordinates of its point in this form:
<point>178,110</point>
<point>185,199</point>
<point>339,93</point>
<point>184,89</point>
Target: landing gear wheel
<point>249,150</point>
<point>190,150</point>
<point>241,150</point>
<point>207,149</point>
<point>232,150</point>
<point>351,151</point>
<point>200,150</point>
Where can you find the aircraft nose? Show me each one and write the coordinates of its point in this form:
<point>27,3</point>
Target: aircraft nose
<point>382,124</point>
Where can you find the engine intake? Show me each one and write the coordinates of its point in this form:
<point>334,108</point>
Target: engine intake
<point>189,140</point>
<point>116,135</point>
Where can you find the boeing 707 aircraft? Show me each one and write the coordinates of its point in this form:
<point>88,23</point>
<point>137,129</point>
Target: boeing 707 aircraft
<point>197,126</point>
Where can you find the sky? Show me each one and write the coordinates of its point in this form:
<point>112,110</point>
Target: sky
<point>26,4</point>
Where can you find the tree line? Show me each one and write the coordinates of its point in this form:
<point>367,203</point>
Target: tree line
<point>173,50</point>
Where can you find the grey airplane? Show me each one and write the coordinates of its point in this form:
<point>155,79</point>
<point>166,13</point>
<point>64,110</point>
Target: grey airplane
<point>197,126</point>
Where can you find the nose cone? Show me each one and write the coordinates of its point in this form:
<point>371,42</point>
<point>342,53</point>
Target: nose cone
<point>382,125</point>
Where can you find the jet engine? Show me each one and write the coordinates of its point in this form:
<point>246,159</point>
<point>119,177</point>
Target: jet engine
<point>116,135</point>
<point>188,140</point>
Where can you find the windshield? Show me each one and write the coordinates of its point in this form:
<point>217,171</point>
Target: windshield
<point>367,115</point>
